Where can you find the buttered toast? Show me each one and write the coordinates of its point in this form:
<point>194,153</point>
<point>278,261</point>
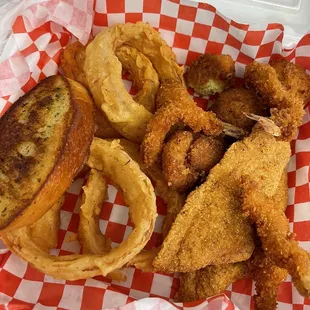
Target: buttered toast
<point>44,141</point>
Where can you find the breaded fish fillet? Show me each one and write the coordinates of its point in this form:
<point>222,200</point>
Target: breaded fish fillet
<point>210,281</point>
<point>214,279</point>
<point>211,229</point>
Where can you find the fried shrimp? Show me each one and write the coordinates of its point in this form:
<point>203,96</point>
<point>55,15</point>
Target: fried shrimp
<point>268,278</point>
<point>293,78</point>
<point>231,105</point>
<point>186,112</point>
<point>273,229</point>
<point>170,91</point>
<point>186,158</point>
<point>174,112</point>
<point>275,85</point>
<point>177,173</point>
<point>266,274</point>
<point>206,152</point>
<point>281,92</point>
<point>210,74</point>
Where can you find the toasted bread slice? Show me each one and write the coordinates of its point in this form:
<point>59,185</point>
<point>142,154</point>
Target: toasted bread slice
<point>44,142</point>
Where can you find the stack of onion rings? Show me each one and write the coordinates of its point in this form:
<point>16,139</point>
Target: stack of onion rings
<point>109,158</point>
<point>127,116</point>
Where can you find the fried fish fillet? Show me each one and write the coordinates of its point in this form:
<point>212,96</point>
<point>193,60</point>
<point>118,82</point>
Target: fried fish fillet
<point>210,281</point>
<point>211,229</point>
<point>213,280</point>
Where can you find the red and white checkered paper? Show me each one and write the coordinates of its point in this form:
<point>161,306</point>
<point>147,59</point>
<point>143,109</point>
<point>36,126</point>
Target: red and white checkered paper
<point>32,52</point>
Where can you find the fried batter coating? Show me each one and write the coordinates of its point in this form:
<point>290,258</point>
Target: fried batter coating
<point>263,79</point>
<point>72,61</point>
<point>231,104</point>
<point>109,93</point>
<point>288,120</point>
<point>293,78</point>
<point>170,91</point>
<point>266,275</point>
<point>144,76</point>
<point>278,243</point>
<point>210,74</point>
<point>211,229</point>
<point>186,158</point>
<point>213,280</point>
<point>206,152</point>
<point>44,231</point>
<point>177,112</point>
<point>104,129</point>
<point>175,203</point>
<point>280,92</point>
<point>209,281</point>
<point>174,200</point>
<point>90,236</point>
<point>268,278</point>
<point>177,172</point>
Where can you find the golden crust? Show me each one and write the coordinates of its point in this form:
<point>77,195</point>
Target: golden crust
<point>205,153</point>
<point>144,76</point>
<point>210,74</point>
<point>177,172</point>
<point>211,228</point>
<point>231,104</point>
<point>268,278</point>
<point>213,280</point>
<point>185,111</point>
<point>90,236</point>
<point>281,92</point>
<point>210,281</point>
<point>44,231</point>
<point>126,116</point>
<point>293,78</point>
<point>72,61</point>
<point>187,158</point>
<point>278,243</point>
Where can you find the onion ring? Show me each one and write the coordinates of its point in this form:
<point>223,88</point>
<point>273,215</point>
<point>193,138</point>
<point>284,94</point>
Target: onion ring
<point>44,231</point>
<point>72,61</point>
<point>144,76</point>
<point>140,68</point>
<point>109,158</point>
<point>90,236</point>
<point>126,116</point>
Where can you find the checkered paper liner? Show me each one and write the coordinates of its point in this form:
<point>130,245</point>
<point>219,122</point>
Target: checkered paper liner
<point>32,52</point>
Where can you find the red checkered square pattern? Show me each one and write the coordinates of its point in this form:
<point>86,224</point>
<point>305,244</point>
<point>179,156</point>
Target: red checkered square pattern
<point>191,29</point>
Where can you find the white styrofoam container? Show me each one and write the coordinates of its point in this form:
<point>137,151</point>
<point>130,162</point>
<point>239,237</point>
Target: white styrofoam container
<point>294,15</point>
